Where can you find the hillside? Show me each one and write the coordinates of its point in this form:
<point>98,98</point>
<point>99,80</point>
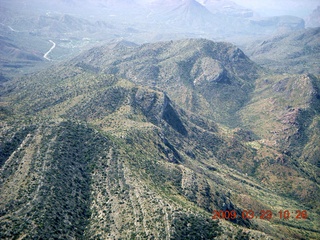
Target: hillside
<point>313,20</point>
<point>289,52</point>
<point>199,75</point>
<point>108,146</point>
<point>14,57</point>
<point>76,26</point>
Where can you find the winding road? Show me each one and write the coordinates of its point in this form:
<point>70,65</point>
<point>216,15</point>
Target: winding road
<point>46,54</point>
<point>13,30</point>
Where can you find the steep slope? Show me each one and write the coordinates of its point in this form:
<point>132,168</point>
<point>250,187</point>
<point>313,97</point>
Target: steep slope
<point>186,15</point>
<point>218,81</point>
<point>199,75</point>
<point>288,119</point>
<point>12,56</point>
<point>290,52</point>
<point>88,154</point>
<point>103,172</point>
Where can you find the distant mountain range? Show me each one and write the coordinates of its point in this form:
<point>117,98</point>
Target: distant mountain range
<point>227,7</point>
<point>30,25</point>
<point>187,15</point>
<point>293,52</point>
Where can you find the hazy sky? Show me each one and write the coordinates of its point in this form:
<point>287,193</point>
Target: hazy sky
<point>299,8</point>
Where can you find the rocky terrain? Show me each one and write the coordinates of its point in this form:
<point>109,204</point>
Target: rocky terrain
<point>289,52</point>
<point>131,141</point>
<point>139,120</point>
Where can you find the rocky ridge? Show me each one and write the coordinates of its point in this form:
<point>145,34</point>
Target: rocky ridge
<point>89,150</point>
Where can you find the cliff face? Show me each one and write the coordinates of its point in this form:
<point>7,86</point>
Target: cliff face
<point>130,142</point>
<point>200,75</point>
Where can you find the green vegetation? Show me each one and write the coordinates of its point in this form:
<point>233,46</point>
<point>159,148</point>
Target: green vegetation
<point>193,227</point>
<point>294,52</point>
<point>146,152</point>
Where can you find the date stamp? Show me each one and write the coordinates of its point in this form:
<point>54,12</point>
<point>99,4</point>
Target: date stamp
<point>263,214</point>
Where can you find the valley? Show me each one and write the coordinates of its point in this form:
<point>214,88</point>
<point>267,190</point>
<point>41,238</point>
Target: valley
<point>180,126</point>
<point>184,158</point>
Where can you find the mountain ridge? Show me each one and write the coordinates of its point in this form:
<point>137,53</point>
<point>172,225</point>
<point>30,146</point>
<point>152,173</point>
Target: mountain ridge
<point>135,162</point>
<point>199,55</point>
<point>293,52</point>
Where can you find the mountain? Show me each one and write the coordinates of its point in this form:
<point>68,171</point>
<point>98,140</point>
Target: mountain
<point>128,141</point>
<point>182,16</point>
<point>76,26</point>
<point>183,69</point>
<point>313,20</point>
<point>30,38</point>
<point>12,52</point>
<point>281,23</point>
<point>294,52</point>
<point>228,8</point>
<point>105,171</point>
<point>13,58</point>
<point>218,81</point>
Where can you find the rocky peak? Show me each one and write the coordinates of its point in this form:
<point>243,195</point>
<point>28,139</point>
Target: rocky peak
<point>313,20</point>
<point>157,107</point>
